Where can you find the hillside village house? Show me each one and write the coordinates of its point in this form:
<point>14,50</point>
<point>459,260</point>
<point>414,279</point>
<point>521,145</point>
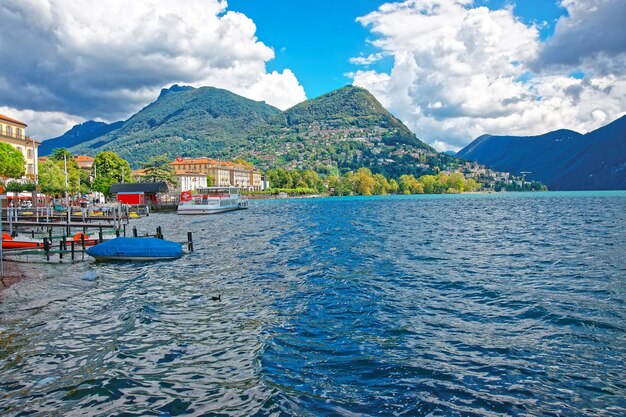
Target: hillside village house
<point>13,132</point>
<point>222,173</point>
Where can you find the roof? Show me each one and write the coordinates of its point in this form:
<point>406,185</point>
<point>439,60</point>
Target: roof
<point>140,187</point>
<point>8,119</point>
<point>214,162</point>
<point>83,158</point>
<point>195,161</point>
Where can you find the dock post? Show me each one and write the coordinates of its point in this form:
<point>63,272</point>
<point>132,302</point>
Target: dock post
<point>61,247</point>
<point>134,231</point>
<point>159,233</point>
<point>124,229</point>
<point>82,241</point>
<point>189,241</point>
<point>46,248</point>
<point>100,235</point>
<point>72,247</point>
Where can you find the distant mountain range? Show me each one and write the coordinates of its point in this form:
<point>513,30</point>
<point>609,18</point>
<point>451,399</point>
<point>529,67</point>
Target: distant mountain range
<point>339,131</point>
<point>563,160</point>
<point>77,135</point>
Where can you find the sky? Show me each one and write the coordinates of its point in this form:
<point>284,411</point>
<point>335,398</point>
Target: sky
<point>451,70</point>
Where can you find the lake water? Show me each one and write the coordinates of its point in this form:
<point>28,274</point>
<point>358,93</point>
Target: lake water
<point>470,305</point>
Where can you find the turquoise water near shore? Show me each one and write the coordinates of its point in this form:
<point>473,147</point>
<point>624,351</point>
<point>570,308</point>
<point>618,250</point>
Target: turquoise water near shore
<point>468,305</point>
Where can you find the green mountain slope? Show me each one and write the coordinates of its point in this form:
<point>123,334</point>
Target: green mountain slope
<point>343,130</point>
<point>351,107</point>
<point>184,121</point>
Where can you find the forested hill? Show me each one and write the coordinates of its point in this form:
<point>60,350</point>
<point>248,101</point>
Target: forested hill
<point>351,107</point>
<point>563,159</point>
<point>343,130</point>
<point>185,121</point>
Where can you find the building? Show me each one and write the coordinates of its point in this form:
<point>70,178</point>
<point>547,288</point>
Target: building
<point>139,193</point>
<point>85,162</point>
<point>189,182</point>
<point>222,173</point>
<point>13,132</point>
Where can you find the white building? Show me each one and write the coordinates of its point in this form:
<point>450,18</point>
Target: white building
<point>189,182</point>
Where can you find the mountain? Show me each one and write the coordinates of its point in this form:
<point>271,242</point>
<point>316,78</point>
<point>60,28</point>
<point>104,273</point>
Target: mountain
<point>184,121</point>
<point>343,130</point>
<point>351,107</point>
<point>76,135</point>
<point>563,159</point>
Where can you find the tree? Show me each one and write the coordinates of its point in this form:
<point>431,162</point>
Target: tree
<point>110,169</point>
<point>12,162</point>
<point>364,182</point>
<point>51,177</point>
<point>18,187</point>
<point>158,168</point>
<point>381,185</point>
<point>429,183</point>
<point>56,176</point>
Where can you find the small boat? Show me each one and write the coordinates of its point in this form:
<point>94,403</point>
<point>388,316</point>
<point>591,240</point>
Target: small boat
<point>211,200</point>
<point>136,249</point>
<point>89,240</point>
<point>9,242</point>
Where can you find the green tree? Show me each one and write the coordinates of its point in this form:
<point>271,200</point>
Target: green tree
<point>429,183</point>
<point>74,174</point>
<point>12,162</point>
<point>364,182</point>
<point>393,186</point>
<point>110,169</point>
<point>158,168</point>
<point>456,181</point>
<point>51,177</point>
<point>381,185</point>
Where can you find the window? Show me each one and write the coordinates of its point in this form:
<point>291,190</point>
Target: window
<point>29,154</point>
<point>9,130</point>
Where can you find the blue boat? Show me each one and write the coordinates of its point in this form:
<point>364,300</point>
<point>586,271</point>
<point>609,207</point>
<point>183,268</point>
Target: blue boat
<point>136,249</point>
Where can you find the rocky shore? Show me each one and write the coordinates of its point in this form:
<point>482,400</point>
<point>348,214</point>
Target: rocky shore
<point>12,274</point>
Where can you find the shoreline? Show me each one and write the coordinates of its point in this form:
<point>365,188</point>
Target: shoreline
<point>12,275</point>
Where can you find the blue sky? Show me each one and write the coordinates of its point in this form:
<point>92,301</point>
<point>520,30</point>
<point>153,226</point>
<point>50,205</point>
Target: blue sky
<point>317,38</point>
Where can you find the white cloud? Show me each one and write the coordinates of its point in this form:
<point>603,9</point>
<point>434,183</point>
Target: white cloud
<point>461,71</point>
<point>94,59</point>
<point>366,60</point>
<point>43,125</point>
<point>593,34</point>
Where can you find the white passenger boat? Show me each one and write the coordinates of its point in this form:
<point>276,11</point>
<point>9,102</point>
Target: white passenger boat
<point>211,200</point>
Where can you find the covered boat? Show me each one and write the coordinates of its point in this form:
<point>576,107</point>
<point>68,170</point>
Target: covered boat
<point>136,249</point>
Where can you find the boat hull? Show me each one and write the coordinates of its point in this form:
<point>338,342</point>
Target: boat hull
<point>16,244</point>
<point>206,210</point>
<point>134,258</point>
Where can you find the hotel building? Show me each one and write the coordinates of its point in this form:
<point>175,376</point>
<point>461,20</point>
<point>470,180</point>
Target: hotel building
<point>222,173</point>
<point>13,132</point>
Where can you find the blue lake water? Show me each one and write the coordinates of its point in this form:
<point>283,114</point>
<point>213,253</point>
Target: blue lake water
<point>470,305</point>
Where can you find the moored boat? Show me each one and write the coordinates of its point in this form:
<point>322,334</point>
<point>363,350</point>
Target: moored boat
<point>136,249</point>
<point>211,200</point>
<point>89,240</point>
<point>21,242</point>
